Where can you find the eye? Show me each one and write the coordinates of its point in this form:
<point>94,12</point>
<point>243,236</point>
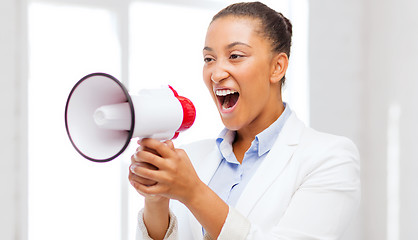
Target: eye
<point>235,56</point>
<point>208,59</point>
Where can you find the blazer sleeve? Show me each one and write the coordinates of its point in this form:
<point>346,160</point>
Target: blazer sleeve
<point>142,233</point>
<point>321,207</point>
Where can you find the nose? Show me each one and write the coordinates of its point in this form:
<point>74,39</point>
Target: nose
<point>219,74</point>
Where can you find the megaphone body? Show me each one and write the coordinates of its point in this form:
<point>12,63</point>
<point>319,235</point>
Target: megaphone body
<point>101,116</point>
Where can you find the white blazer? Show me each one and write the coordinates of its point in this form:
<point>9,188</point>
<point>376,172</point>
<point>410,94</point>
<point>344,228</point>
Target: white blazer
<point>307,187</point>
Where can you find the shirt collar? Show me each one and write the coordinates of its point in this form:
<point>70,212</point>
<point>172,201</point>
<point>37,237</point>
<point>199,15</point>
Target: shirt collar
<point>224,143</point>
<point>267,137</point>
<point>264,140</point>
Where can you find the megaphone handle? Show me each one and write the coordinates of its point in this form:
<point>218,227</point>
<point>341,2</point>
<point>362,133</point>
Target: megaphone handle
<point>162,136</point>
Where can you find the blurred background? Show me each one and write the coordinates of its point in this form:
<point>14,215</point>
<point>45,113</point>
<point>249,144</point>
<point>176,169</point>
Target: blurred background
<point>353,72</point>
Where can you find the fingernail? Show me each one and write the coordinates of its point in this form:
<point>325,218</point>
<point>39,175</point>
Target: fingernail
<point>132,167</point>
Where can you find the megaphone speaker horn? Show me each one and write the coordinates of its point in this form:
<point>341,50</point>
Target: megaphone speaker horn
<point>101,116</point>
<point>88,138</point>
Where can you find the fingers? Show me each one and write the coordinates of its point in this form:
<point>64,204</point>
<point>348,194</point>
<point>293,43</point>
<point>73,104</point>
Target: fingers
<point>146,156</point>
<point>170,144</point>
<point>145,162</point>
<point>149,190</point>
<point>142,148</point>
<point>155,168</point>
<point>164,149</point>
<point>137,185</point>
<point>145,187</point>
<point>144,172</point>
<point>133,178</point>
<point>138,178</point>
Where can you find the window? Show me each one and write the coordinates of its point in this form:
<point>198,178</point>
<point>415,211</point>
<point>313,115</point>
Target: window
<point>69,197</point>
<point>74,198</point>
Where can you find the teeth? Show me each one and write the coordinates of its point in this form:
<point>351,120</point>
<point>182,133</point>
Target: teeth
<point>225,92</point>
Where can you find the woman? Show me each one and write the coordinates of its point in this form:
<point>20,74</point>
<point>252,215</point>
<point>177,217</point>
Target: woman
<point>267,176</point>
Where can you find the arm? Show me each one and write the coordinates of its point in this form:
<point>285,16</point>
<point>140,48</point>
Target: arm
<point>142,229</point>
<point>208,208</point>
<point>177,179</point>
<point>155,217</point>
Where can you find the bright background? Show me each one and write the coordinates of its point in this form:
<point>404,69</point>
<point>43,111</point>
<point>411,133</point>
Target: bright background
<point>352,73</point>
<point>145,44</point>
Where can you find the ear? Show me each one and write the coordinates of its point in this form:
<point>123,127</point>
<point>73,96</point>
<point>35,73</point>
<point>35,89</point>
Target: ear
<point>279,67</point>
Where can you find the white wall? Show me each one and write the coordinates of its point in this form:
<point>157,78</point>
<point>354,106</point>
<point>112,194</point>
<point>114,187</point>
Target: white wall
<point>363,60</point>
<point>392,80</point>
<point>12,122</point>
<point>336,72</point>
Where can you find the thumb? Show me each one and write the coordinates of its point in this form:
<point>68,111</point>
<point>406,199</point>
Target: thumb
<point>170,144</point>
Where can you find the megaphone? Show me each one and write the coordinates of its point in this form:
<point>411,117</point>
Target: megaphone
<point>101,116</point>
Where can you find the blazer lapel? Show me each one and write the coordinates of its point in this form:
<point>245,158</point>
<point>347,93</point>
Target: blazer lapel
<point>208,165</point>
<point>272,165</point>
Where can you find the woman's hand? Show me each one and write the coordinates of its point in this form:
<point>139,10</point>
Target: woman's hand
<point>156,213</point>
<point>136,180</point>
<point>158,169</point>
<point>161,171</point>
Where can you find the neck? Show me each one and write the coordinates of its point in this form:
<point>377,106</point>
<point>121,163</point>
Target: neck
<point>246,135</point>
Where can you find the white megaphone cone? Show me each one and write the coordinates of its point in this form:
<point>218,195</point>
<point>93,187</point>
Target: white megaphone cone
<point>101,117</point>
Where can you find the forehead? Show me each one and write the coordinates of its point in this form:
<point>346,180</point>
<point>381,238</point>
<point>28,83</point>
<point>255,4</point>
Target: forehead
<point>229,29</point>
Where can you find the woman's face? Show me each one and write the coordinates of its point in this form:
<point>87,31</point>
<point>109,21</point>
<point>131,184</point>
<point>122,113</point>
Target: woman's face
<point>237,71</point>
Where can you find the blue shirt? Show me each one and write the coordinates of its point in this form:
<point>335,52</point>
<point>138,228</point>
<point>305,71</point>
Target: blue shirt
<point>231,177</point>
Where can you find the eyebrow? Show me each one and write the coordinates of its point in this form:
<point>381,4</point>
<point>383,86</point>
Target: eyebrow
<point>208,49</point>
<point>231,45</point>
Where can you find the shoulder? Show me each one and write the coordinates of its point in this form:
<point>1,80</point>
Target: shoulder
<point>328,161</point>
<point>320,155</point>
<point>318,143</point>
<point>314,142</point>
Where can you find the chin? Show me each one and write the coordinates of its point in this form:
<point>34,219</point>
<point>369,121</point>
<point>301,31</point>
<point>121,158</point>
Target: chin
<point>231,125</point>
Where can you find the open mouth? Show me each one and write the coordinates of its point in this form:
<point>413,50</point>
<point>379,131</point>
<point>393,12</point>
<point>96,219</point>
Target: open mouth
<point>227,98</point>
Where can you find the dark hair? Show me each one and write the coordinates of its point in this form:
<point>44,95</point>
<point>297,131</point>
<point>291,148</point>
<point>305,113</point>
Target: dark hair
<point>276,27</point>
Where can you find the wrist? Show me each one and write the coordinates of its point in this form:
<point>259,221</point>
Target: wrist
<point>195,195</point>
<point>156,217</point>
<point>208,208</point>
<point>160,204</point>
